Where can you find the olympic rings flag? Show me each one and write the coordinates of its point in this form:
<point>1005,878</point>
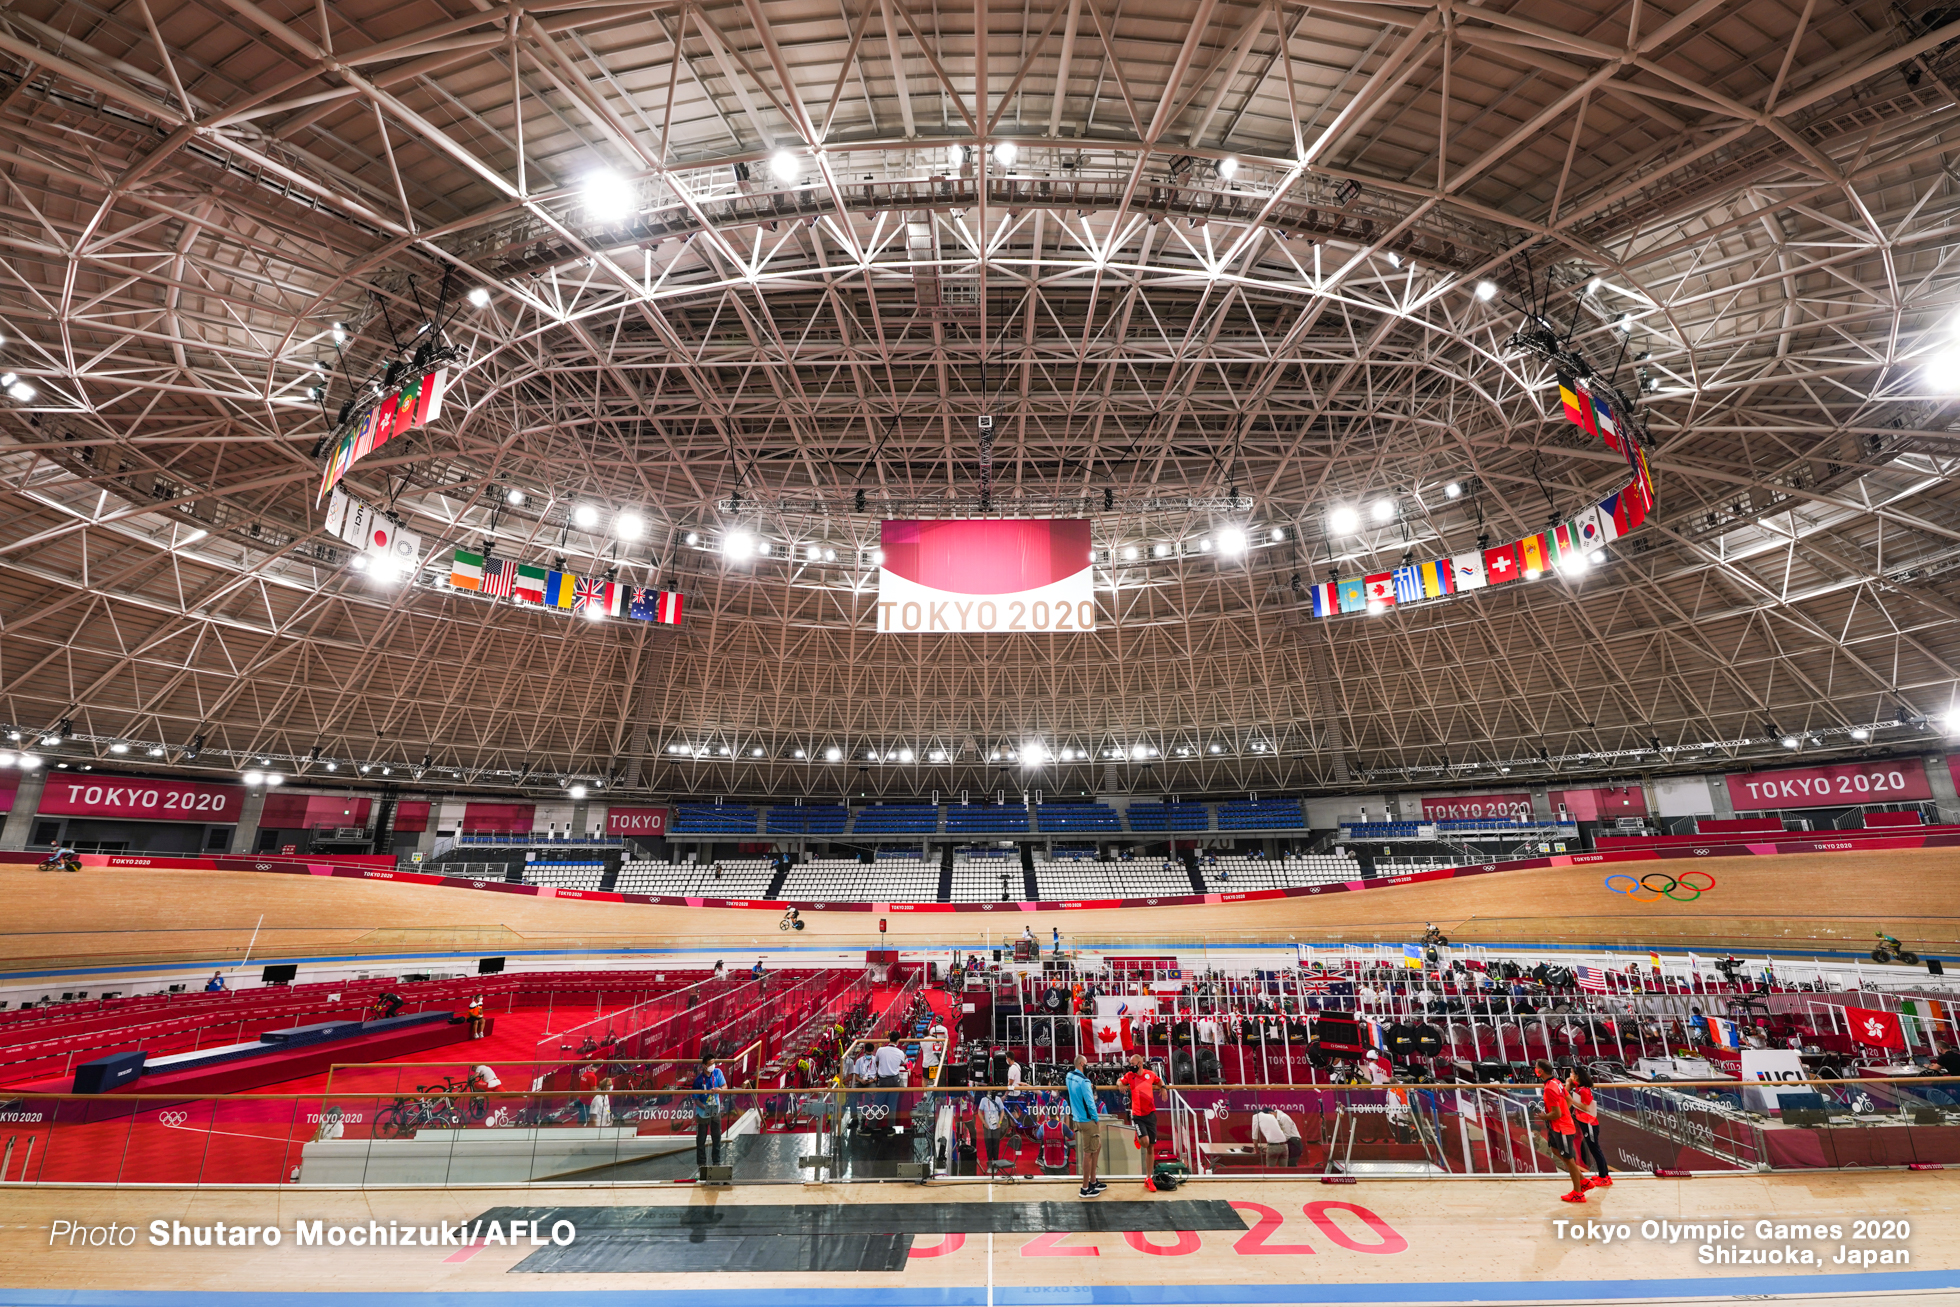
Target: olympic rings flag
<point>986,576</point>
<point>1655,893</point>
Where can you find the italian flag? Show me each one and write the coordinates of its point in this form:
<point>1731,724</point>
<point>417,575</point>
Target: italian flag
<point>529,585</point>
<point>466,570</point>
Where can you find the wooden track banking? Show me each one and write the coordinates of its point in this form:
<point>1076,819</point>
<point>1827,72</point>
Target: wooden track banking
<point>1795,903</point>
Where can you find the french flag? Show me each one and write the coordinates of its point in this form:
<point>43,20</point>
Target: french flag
<point>1325,601</point>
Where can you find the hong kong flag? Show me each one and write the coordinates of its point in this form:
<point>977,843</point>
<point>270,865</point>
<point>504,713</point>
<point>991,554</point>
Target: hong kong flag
<point>1875,1028</point>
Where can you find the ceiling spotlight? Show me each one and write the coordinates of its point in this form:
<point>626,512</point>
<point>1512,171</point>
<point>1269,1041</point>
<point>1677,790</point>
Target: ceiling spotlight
<point>1278,534</point>
<point>154,752</point>
<point>1216,749</point>
<point>1005,153</point>
<point>1579,561</point>
<point>387,771</point>
<point>1452,491</point>
<point>1231,542</point>
<point>1376,607</point>
<point>755,753</point>
<point>763,548</point>
<point>21,391</point>
<point>785,167</point>
<point>1129,553</point>
<point>274,778</point>
<point>833,754</point>
<point>594,613</point>
<point>1860,733</point>
<point>629,526</point>
<point>255,778</point>
<point>905,755</point>
<point>1382,510</point>
<point>738,544</point>
<point>1139,751</point>
<point>577,791</point>
<point>608,196</point>
<point>513,496</point>
<point>479,296</point>
<point>1790,742</point>
<point>694,537</point>
<point>1532,574</point>
<point>814,553</point>
<point>586,516</point>
<point>1942,370</point>
<point>939,755</point>
<point>1486,291</point>
<point>340,333</point>
<point>1394,259</point>
<point>1228,167</point>
<point>1160,550</point>
<point>1032,753</point>
<point>829,555</point>
<point>796,753</point>
<point>1592,287</point>
<point>333,766</point>
<point>1625,323</point>
<point>119,747</point>
<point>1343,521</point>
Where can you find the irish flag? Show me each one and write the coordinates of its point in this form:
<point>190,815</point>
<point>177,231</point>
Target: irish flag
<point>466,570</point>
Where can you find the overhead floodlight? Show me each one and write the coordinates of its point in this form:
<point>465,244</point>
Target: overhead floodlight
<point>1791,742</point>
<point>340,333</point>
<point>21,391</point>
<point>1032,753</point>
<point>1278,534</point>
<point>738,544</point>
<point>1228,167</point>
<point>814,553</point>
<point>608,196</point>
<point>1140,751</point>
<point>333,766</point>
<point>1486,291</point>
<point>479,296</point>
<point>939,755</point>
<point>585,516</point>
<point>1343,521</point>
<point>1005,153</point>
<point>755,753</point>
<point>796,753</point>
<point>153,751</point>
<point>1452,491</point>
<point>577,791</point>
<point>274,778</point>
<point>905,755</point>
<point>1231,542</point>
<point>1382,509</point>
<point>1625,324</point>
<point>1160,550</point>
<point>513,496</point>
<point>1860,733</point>
<point>1394,259</point>
<point>833,754</point>
<point>1942,370</point>
<point>1592,287</point>
<point>1129,553</point>
<point>763,547</point>
<point>694,537</point>
<point>1376,607</point>
<point>629,526</point>
<point>1579,561</point>
<point>1217,748</point>
<point>255,778</point>
<point>594,613</point>
<point>785,167</point>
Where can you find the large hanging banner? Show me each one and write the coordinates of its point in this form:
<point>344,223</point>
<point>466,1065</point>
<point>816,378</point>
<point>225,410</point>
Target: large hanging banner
<point>987,576</point>
<point>1902,780</point>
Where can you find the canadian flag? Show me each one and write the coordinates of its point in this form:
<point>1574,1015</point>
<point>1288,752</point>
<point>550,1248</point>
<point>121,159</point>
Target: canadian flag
<point>1878,1029</point>
<point>1114,1015</point>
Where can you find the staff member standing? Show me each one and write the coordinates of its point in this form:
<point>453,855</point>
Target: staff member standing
<point>707,1110</point>
<point>1143,1083</point>
<point>1082,1113</point>
<point>890,1067</point>
<point>1580,1083</point>
<point>1560,1130</point>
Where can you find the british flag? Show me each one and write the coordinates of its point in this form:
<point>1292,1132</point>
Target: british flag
<point>590,593</point>
<point>1591,978</point>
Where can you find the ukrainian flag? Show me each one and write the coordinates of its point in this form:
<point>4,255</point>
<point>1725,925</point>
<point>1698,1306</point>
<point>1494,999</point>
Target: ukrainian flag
<point>1412,956</point>
<point>560,588</point>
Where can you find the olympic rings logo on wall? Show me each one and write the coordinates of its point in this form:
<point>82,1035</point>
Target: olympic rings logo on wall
<point>1655,893</point>
<point>173,1118</point>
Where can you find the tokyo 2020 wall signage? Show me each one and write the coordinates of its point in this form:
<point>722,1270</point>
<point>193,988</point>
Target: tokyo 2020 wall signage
<point>987,577</point>
<point>141,799</point>
<point>1473,807</point>
<point>1900,781</point>
<point>636,821</point>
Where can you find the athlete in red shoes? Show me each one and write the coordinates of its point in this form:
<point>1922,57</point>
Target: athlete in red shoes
<point>1560,1130</point>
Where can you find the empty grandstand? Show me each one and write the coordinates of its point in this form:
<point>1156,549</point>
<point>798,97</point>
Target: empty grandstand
<point>897,880</point>
<point>726,879</point>
<point>897,819</point>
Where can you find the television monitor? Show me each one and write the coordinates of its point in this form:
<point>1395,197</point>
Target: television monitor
<point>280,973</point>
<point>489,966</point>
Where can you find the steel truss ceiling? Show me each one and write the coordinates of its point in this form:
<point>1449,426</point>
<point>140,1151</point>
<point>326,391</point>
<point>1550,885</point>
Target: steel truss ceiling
<point>1224,277</point>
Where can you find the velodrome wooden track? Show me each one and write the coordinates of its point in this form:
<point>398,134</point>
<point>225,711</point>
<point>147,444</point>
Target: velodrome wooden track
<point>1797,903</point>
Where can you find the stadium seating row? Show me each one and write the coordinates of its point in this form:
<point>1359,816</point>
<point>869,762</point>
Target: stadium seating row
<point>956,818</point>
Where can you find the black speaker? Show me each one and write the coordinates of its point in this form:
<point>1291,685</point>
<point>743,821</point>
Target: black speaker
<point>1934,967</point>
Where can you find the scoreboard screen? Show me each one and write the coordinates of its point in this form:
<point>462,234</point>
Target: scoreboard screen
<point>987,576</point>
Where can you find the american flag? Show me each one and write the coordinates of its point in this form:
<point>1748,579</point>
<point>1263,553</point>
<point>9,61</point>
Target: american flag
<point>498,573</point>
<point>1591,978</point>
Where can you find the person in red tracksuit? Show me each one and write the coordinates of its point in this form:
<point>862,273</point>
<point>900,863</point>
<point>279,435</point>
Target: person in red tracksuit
<point>1560,1130</point>
<point>1580,1084</point>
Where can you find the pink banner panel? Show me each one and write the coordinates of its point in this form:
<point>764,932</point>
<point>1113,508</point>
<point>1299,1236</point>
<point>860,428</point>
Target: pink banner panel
<point>636,821</point>
<point>1900,781</point>
<point>1470,807</point>
<point>141,799</point>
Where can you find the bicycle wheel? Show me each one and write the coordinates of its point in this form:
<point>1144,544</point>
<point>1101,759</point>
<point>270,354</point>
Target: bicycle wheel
<point>783,924</point>
<point>388,1122</point>
<point>1907,956</point>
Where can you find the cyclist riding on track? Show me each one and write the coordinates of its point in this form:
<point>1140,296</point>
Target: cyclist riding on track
<point>63,859</point>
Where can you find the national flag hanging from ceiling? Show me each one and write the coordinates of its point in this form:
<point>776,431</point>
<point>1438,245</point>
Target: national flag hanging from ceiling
<point>1408,584</point>
<point>466,570</point>
<point>663,606</point>
<point>1468,572</point>
<point>560,589</point>
<point>1531,554</point>
<point>529,585</point>
<point>1501,564</point>
<point>1438,578</point>
<point>1609,430</point>
<point>1574,397</point>
<point>589,595</point>
<point>498,576</point>
<point>1381,588</point>
<point>1354,594</point>
<point>1325,602</point>
<point>417,402</point>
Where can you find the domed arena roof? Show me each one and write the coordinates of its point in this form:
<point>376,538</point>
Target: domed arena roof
<point>692,298</point>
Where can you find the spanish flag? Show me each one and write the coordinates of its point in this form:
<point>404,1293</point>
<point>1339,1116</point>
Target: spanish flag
<point>1531,554</point>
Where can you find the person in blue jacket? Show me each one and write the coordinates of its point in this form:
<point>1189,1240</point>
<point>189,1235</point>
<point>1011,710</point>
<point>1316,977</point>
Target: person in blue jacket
<point>1082,1113</point>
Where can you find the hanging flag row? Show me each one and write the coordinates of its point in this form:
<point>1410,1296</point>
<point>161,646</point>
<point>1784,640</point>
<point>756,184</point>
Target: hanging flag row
<point>416,402</point>
<point>1526,559</point>
<point>1616,515</point>
<point>590,596</point>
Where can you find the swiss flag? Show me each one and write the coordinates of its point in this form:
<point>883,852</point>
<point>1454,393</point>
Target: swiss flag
<point>1878,1029</point>
<point>1501,564</point>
